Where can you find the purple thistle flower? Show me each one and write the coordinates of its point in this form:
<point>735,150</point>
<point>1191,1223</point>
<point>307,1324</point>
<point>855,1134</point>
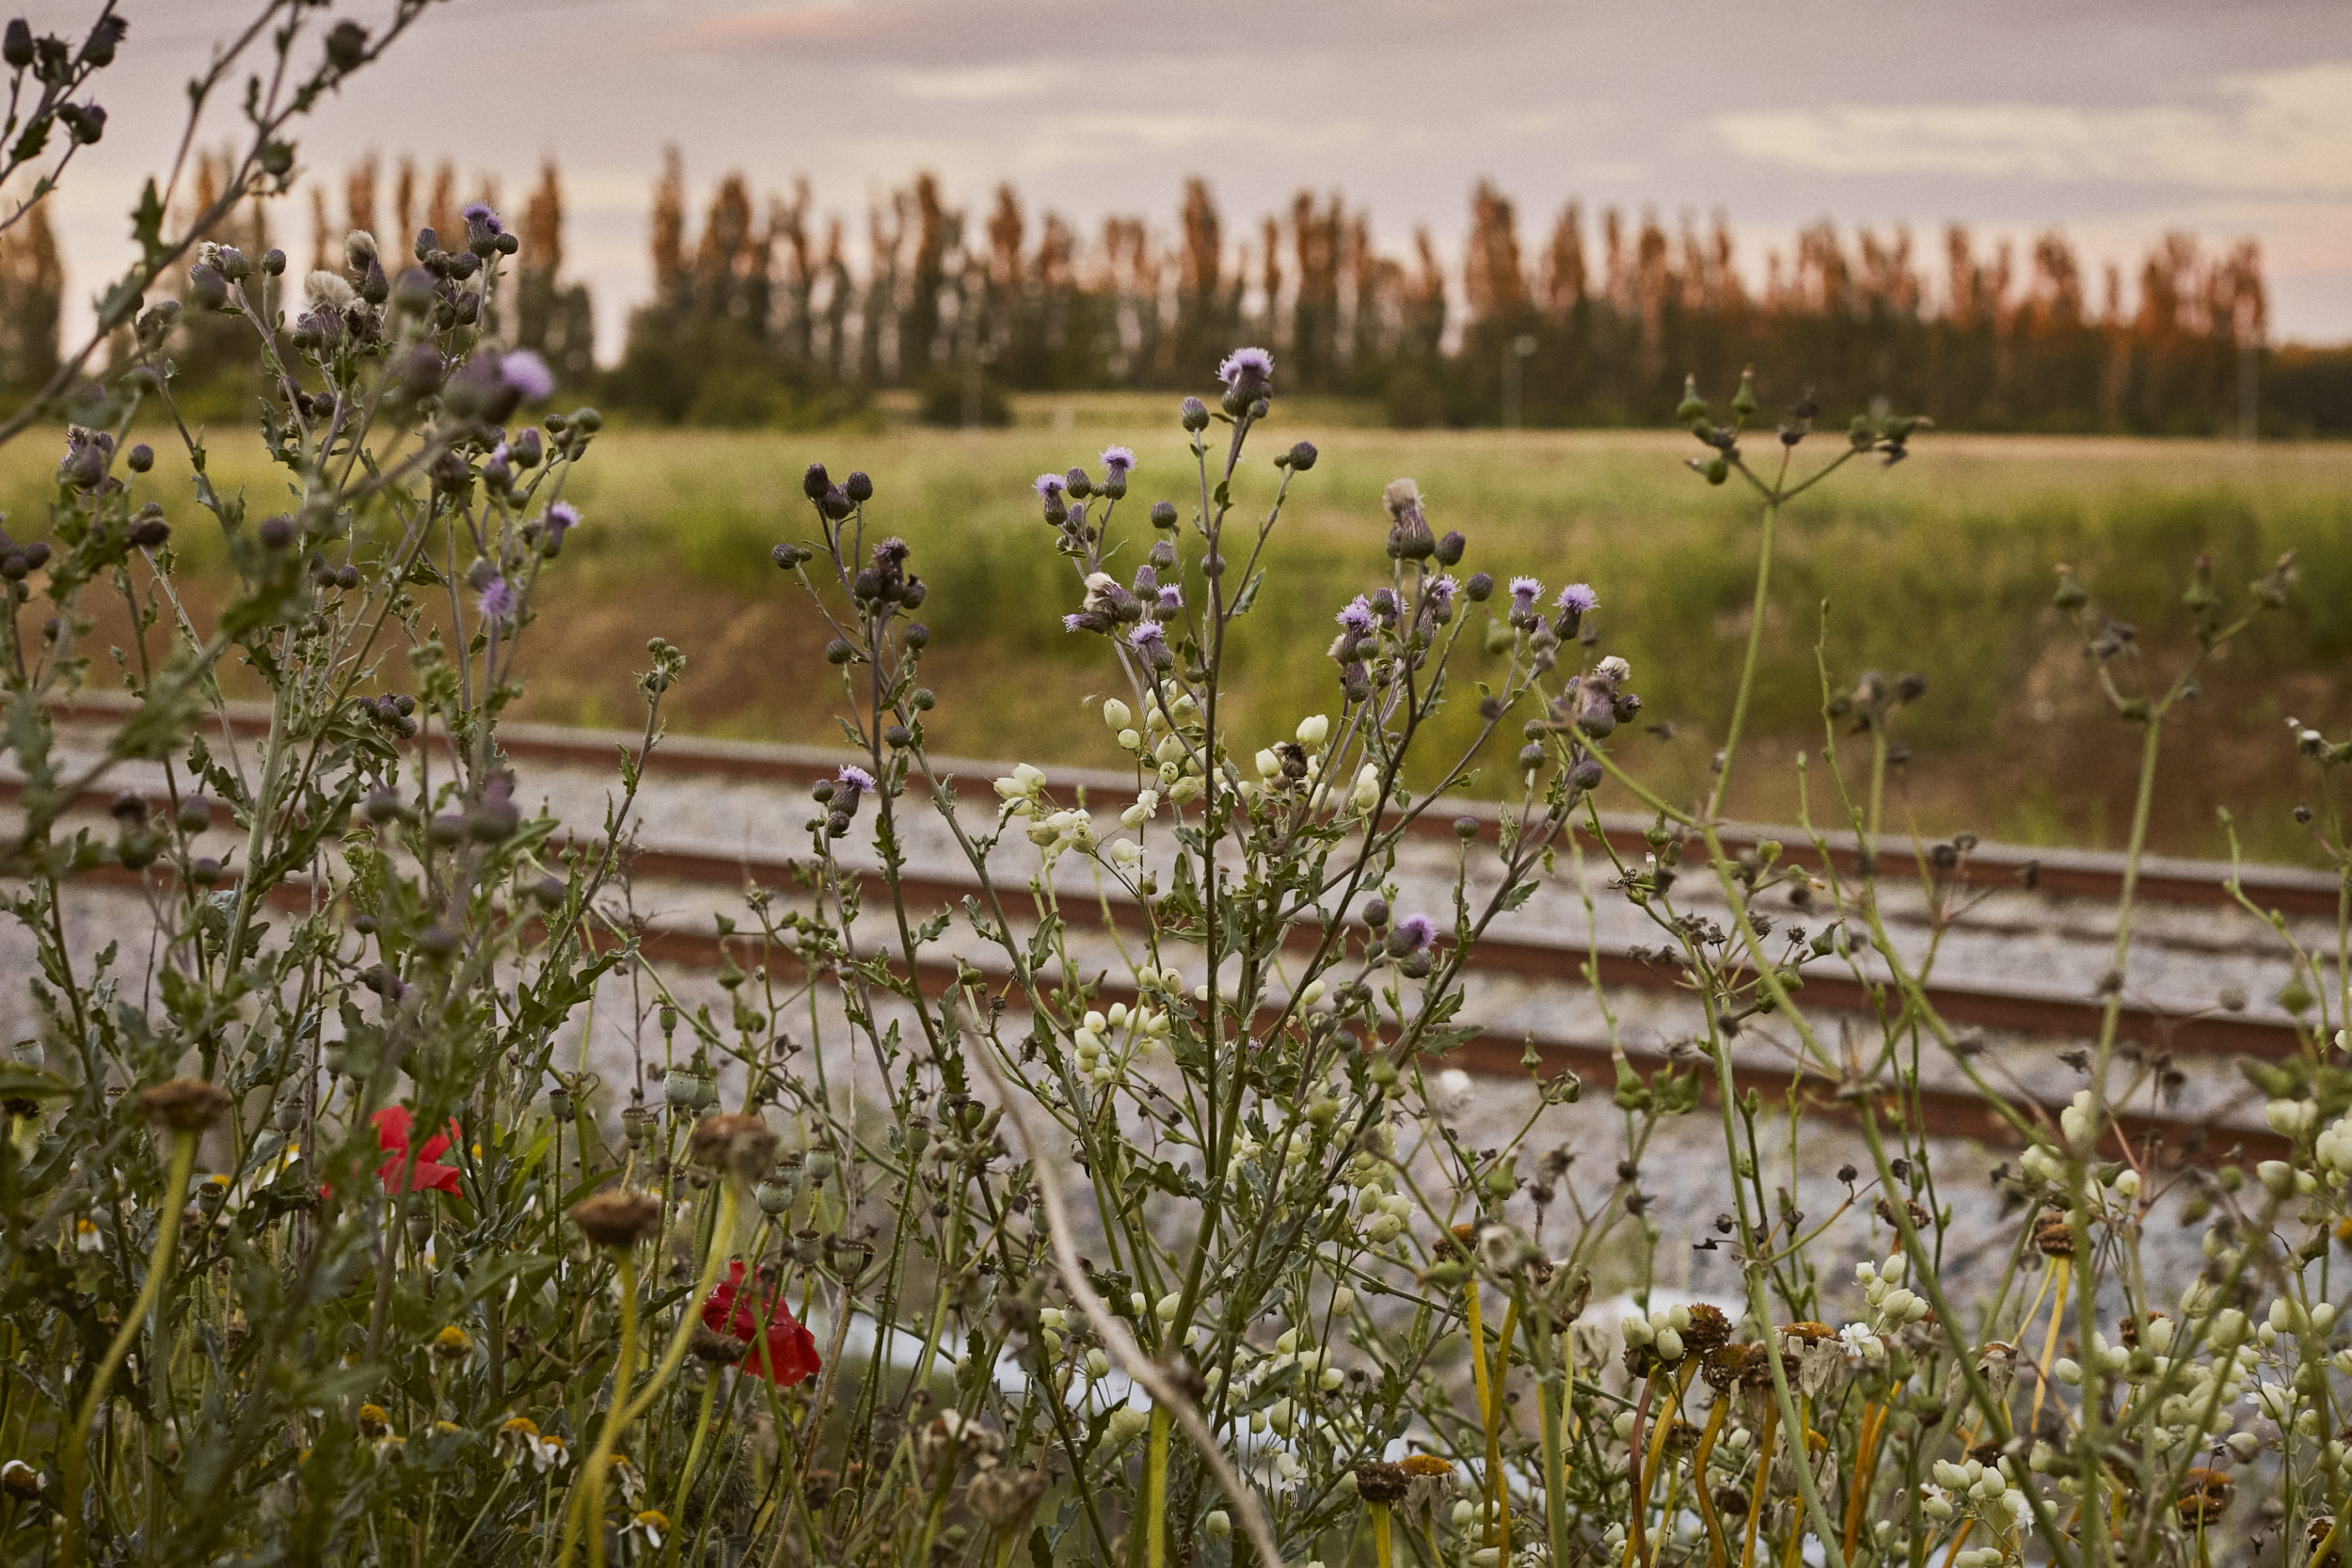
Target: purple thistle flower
<point>1357,617</point>
<point>857,781</point>
<point>480,213</point>
<point>1145,635</point>
<point>1524,593</point>
<point>1439,595</point>
<point>1246,371</point>
<point>1118,461</point>
<point>498,599</point>
<point>1050,485</point>
<point>1418,930</point>
<point>1171,599</point>
<point>1579,598</point>
<point>1077,621</point>
<point>527,373</point>
<point>562,518</point>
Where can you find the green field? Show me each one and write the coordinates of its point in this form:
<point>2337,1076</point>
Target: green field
<point>1942,565</point>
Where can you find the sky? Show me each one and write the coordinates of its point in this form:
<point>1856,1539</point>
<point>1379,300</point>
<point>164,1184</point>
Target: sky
<point>2114,120</point>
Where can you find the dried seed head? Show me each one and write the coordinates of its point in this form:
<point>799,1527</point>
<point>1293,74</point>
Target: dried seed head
<point>2205,1495</point>
<point>738,1142</point>
<point>183,1104</point>
<point>1722,1366</point>
<point>720,1350</point>
<point>1382,1483</point>
<point>1005,1499</point>
<point>1709,1328</point>
<point>1884,1209</point>
<point>2053,1236</point>
<point>614,1218</point>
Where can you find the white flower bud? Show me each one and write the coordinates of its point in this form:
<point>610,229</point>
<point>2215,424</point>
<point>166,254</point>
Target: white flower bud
<point>1313,731</point>
<point>1118,715</point>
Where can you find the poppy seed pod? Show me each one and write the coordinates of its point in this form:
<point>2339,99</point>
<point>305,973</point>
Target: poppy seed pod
<point>614,1218</point>
<point>738,1142</point>
<point>183,1104</point>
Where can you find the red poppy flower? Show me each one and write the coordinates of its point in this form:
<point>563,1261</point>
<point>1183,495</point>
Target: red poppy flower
<point>392,1125</point>
<point>788,1352</point>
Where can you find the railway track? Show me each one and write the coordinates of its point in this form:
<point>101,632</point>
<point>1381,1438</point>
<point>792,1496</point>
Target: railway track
<point>1538,962</point>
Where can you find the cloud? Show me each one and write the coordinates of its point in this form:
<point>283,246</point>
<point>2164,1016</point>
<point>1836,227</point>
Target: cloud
<point>2277,133</point>
<point>993,84</point>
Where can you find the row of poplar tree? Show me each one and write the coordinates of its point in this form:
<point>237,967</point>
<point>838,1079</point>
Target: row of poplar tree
<point>770,312</point>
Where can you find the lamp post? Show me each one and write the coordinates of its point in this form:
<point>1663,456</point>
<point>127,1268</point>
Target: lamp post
<point>1522,349</point>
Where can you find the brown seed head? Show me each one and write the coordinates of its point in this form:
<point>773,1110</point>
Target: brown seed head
<point>1709,1328</point>
<point>183,1104</point>
<point>2053,1236</point>
<point>2132,1321</point>
<point>1884,1209</point>
<point>1807,1332</point>
<point>1722,1366</point>
<point>2205,1495</point>
<point>1003,1497</point>
<point>1382,1483</point>
<point>720,1350</point>
<point>616,1218</point>
<point>738,1142</point>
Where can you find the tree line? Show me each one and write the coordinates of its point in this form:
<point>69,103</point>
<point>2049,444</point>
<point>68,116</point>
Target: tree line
<point>769,312</point>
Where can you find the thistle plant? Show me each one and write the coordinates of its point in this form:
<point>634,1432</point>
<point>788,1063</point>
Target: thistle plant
<point>1045,1172</point>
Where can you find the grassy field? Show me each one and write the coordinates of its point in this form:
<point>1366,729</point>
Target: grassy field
<point>1942,565</point>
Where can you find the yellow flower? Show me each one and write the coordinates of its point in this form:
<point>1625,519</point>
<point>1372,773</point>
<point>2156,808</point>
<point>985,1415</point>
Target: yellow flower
<point>374,1422</point>
<point>453,1342</point>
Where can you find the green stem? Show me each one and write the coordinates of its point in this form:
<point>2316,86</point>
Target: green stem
<point>1156,1491</point>
<point>589,1510</point>
<point>158,1268</point>
<point>1747,669</point>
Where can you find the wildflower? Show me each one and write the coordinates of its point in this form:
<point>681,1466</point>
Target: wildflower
<point>88,1237</point>
<point>527,373</point>
<point>651,1525</point>
<point>373,1423</point>
<point>1415,931</point>
<point>1859,1345</point>
<point>1524,593</point>
<point>1020,786</point>
<point>1578,598</point>
<point>393,1125</point>
<point>19,1480</point>
<point>1427,1480</point>
<point>1049,487</point>
<point>498,599</point>
<point>1409,538</point>
<point>851,785</point>
<point>1453,1093</point>
<point>560,519</point>
<point>1152,643</point>
<point>1356,616</point>
<point>780,1350</point>
<point>329,290</point>
<point>631,1479</point>
<point>452,1343</point>
<point>1437,597</point>
<point>1248,372</point>
<point>1170,600</point>
<point>1106,605</point>
<point>1118,461</point>
<point>483,229</point>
